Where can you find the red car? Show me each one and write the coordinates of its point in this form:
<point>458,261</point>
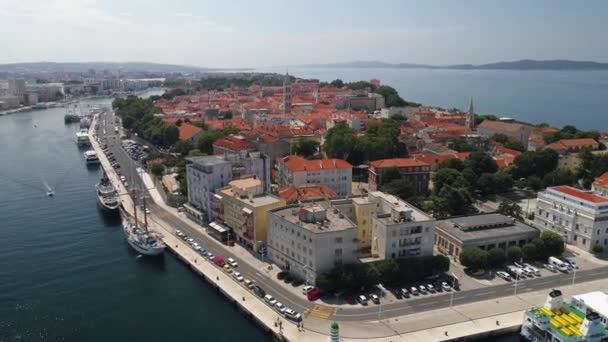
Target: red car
<point>313,294</point>
<point>219,261</point>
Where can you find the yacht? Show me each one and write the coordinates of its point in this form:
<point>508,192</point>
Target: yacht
<point>107,197</point>
<point>583,319</point>
<point>139,238</point>
<point>91,157</point>
<point>82,138</point>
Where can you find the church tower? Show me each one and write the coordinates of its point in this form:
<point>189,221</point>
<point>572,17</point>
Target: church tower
<point>287,94</point>
<point>470,120</point>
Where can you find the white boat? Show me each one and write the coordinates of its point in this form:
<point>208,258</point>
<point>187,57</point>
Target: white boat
<point>90,157</point>
<point>583,319</point>
<point>139,238</point>
<point>107,197</point>
<point>82,138</point>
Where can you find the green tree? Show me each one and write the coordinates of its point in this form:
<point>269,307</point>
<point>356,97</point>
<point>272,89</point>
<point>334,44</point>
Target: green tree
<point>170,135</point>
<point>510,209</point>
<point>338,83</point>
<point>559,177</point>
<point>448,177</point>
<point>389,271</point>
<point>304,147</point>
<point>381,141</point>
<point>206,140</point>
<point>496,257</point>
<point>461,144</point>
<point>535,163</point>
<point>400,188</point>
<point>158,169</point>
<point>514,253</point>
<point>597,249</point>
<point>530,251</point>
<point>534,183</point>
<point>481,163</point>
<point>474,258</point>
<point>184,147</point>
<point>455,164</point>
<point>340,141</point>
<point>553,242</point>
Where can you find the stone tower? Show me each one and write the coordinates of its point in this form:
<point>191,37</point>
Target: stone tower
<point>287,94</point>
<point>470,120</point>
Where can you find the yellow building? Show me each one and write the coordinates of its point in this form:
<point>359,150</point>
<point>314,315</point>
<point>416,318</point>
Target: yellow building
<point>363,211</point>
<point>244,209</point>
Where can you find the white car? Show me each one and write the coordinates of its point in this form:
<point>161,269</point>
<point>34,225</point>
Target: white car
<point>422,289</point>
<point>292,315</point>
<point>430,288</point>
<point>270,299</point>
<point>147,210</point>
<point>306,289</point>
<point>550,267</point>
<point>210,256</point>
<point>375,298</point>
<point>414,290</point>
<point>362,300</point>
<point>280,307</point>
<point>190,240</point>
<point>446,287</point>
<point>503,275</point>
<point>232,262</point>
<point>238,276</point>
<point>249,283</point>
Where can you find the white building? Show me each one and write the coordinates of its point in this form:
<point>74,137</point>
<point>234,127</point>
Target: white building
<point>310,239</point>
<point>399,230</point>
<point>206,174</point>
<point>581,217</point>
<point>337,174</point>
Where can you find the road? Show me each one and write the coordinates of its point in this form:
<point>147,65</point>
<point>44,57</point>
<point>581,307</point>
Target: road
<point>344,313</point>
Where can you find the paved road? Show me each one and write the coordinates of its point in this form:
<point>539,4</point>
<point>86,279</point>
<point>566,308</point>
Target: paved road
<point>356,312</point>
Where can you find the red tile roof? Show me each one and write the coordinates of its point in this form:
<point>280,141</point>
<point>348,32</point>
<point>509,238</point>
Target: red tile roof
<point>582,195</point>
<point>297,163</point>
<point>291,193</point>
<point>187,131</point>
<point>602,180</point>
<point>398,162</point>
<point>234,143</point>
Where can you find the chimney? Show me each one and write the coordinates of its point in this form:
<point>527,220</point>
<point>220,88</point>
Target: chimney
<point>592,325</point>
<point>554,300</point>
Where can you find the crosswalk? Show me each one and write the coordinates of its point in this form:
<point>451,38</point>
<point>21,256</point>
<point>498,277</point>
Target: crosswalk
<point>321,311</point>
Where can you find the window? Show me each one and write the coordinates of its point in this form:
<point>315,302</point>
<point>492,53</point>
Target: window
<point>339,239</point>
<point>338,252</point>
<point>584,241</point>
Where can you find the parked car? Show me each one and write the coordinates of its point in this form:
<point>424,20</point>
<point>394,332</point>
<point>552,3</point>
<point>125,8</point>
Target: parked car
<point>280,307</point>
<point>238,276</point>
<point>445,286</point>
<point>250,284</point>
<point>550,267</point>
<point>202,251</point>
<point>405,293</point>
<point>430,288</point>
<point>227,268</point>
<point>375,298</point>
<point>270,299</point>
<point>313,294</point>
<point>414,290</point>
<point>422,289</point>
<point>571,261</point>
<point>211,256</point>
<point>232,262</point>
<point>560,265</point>
<point>259,291</point>
<point>292,315</point>
<point>517,264</point>
<point>533,269</point>
<point>503,275</point>
<point>362,300</point>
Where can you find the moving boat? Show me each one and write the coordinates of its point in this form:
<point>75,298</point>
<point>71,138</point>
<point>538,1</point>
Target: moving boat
<point>107,197</point>
<point>90,157</point>
<point>141,239</point>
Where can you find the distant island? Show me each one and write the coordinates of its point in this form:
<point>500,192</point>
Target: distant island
<point>130,66</point>
<point>524,64</point>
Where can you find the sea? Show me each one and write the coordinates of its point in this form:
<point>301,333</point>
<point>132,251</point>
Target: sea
<point>578,98</point>
<point>66,272</point>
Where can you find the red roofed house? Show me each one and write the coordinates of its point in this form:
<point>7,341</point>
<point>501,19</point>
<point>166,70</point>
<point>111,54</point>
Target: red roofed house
<point>337,174</point>
<point>600,185</point>
<point>566,146</point>
<point>189,132</point>
<point>415,171</point>
<point>232,144</point>
<point>291,193</point>
<point>579,216</point>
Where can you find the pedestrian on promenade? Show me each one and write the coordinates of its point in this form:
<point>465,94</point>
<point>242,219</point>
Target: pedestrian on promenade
<point>446,333</point>
<point>497,323</point>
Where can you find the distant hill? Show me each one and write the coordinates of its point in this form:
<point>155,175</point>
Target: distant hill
<point>84,66</point>
<point>524,64</point>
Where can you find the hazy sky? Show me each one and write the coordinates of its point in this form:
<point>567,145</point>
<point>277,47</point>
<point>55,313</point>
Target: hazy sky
<point>282,32</point>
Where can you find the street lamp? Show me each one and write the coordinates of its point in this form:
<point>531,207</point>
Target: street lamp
<point>573,275</point>
<point>452,297</point>
<point>516,282</point>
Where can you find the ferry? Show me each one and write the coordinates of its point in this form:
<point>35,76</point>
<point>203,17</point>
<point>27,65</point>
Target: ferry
<point>82,138</point>
<point>107,197</point>
<point>90,157</point>
<point>585,318</point>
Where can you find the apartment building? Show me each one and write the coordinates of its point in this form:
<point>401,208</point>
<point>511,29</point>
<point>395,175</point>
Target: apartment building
<point>581,217</point>
<point>244,208</point>
<point>399,230</point>
<point>415,171</point>
<point>309,239</point>
<point>335,173</point>
<point>206,174</point>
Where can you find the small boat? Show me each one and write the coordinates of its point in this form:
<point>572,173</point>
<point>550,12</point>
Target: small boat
<point>107,197</point>
<point>90,157</point>
<point>50,193</point>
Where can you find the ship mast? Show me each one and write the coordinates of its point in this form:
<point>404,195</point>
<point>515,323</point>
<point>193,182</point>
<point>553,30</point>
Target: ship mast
<point>145,215</point>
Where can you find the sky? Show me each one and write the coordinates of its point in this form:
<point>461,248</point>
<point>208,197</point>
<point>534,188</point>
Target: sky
<point>262,33</point>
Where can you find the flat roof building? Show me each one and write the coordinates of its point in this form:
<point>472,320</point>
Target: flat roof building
<point>485,231</point>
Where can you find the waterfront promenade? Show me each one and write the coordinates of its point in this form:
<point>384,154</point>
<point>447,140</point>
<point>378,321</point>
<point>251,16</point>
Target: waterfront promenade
<point>356,324</point>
